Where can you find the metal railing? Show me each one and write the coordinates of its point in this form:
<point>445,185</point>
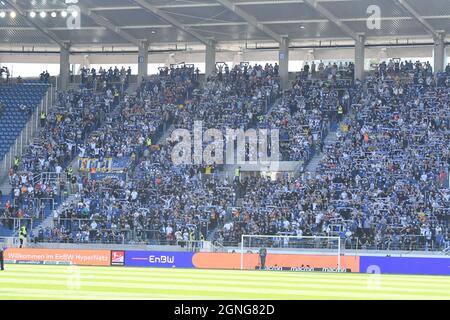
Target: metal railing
<point>14,224</point>
<point>404,243</point>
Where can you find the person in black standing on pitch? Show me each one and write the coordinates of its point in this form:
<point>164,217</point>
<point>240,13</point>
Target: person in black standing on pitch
<point>262,257</point>
<point>2,262</point>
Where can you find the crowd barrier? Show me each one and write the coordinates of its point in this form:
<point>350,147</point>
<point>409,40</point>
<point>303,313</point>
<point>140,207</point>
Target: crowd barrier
<point>232,261</point>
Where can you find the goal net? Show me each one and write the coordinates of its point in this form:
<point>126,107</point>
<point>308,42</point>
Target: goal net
<point>291,253</point>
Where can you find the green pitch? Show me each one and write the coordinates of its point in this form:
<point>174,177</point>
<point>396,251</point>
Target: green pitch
<point>63,282</point>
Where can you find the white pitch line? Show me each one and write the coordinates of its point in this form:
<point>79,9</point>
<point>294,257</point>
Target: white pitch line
<point>302,282</point>
<point>314,290</point>
<point>267,276</point>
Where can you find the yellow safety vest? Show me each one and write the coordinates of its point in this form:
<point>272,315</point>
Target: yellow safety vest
<point>22,234</point>
<point>340,110</point>
<point>237,172</point>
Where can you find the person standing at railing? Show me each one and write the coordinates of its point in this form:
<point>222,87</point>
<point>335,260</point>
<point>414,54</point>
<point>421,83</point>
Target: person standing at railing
<point>22,235</point>
<point>43,118</point>
<point>340,113</point>
<point>237,174</point>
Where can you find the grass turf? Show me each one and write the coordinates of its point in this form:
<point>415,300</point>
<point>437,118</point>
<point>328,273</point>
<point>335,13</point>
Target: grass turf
<point>36,282</point>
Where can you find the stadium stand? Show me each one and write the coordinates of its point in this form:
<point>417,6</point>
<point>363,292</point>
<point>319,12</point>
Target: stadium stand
<point>367,190</point>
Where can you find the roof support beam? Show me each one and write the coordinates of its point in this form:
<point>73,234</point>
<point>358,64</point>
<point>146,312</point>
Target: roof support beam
<point>327,14</point>
<point>406,6</point>
<point>251,20</point>
<point>108,25</point>
<point>32,23</point>
<point>156,11</point>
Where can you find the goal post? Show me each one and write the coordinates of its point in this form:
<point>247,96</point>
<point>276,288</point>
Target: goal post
<point>294,253</point>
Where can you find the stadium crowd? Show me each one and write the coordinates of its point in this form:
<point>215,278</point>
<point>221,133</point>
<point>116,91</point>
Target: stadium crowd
<point>380,186</point>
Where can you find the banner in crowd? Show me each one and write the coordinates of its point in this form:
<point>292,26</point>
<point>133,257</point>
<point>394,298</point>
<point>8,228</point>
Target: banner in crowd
<point>286,262</point>
<point>121,163</point>
<point>107,165</point>
<point>158,259</point>
<point>86,164</point>
<point>59,256</point>
<point>405,265</point>
<point>99,176</point>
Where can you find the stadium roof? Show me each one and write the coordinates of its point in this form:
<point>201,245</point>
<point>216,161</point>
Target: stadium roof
<point>192,22</point>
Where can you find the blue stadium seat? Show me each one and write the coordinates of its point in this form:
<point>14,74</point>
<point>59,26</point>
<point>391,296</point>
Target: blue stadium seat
<point>13,120</point>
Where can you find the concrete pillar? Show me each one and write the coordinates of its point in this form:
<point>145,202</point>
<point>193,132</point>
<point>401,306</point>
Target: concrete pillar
<point>210,58</point>
<point>64,68</point>
<point>284,63</point>
<point>143,61</point>
<point>439,53</point>
<point>360,57</point>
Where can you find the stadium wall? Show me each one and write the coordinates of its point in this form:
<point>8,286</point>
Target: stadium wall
<point>439,265</point>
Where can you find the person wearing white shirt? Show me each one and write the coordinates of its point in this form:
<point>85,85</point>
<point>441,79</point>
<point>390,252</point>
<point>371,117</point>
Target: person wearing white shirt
<point>319,218</point>
<point>169,230</point>
<point>82,151</point>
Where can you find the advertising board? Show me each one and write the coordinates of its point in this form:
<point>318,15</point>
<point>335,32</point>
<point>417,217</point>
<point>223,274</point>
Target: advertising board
<point>158,259</point>
<point>405,265</point>
<point>59,256</point>
<point>286,262</point>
